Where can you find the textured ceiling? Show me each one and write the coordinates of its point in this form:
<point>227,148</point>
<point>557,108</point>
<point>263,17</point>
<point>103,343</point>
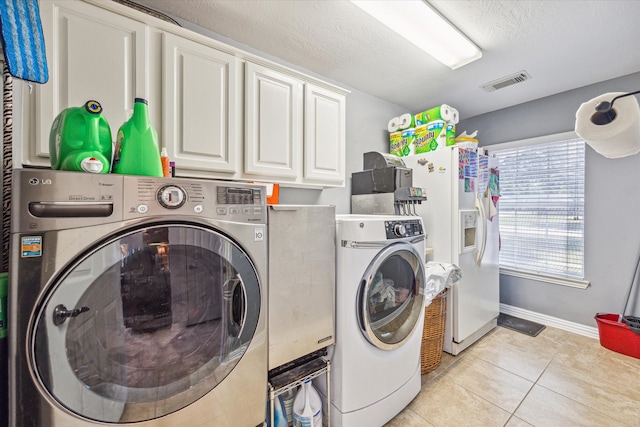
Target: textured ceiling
<point>561,44</point>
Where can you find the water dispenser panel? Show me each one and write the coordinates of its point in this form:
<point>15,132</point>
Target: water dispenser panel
<point>468,227</point>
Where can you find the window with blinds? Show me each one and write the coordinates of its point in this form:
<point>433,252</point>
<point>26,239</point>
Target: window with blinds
<point>542,208</point>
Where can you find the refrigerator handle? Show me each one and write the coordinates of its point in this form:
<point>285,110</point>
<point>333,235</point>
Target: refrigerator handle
<point>482,220</point>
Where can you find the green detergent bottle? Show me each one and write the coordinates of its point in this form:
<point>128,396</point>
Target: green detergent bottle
<point>80,140</point>
<point>137,151</point>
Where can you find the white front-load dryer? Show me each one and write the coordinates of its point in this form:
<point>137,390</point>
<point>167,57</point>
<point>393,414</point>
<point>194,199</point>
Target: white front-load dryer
<point>380,279</point>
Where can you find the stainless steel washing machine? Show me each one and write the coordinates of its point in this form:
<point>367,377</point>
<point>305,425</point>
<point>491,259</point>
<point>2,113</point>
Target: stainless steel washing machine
<point>137,300</point>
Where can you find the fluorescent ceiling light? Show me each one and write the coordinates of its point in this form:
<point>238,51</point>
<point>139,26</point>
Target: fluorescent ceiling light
<point>422,25</point>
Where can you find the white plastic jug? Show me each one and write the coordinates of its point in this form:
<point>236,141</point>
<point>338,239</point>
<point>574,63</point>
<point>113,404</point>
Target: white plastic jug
<point>279,415</point>
<point>307,407</point>
<point>287,400</point>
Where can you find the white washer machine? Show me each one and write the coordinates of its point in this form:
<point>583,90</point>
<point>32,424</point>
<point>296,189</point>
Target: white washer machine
<point>380,280</point>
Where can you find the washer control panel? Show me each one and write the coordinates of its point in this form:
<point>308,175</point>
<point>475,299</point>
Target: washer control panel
<point>52,199</point>
<point>149,196</point>
<point>397,229</point>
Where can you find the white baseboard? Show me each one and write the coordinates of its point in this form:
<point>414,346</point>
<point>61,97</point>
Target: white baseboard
<point>565,325</point>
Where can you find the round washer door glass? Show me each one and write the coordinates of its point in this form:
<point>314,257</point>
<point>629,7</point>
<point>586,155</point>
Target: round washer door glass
<point>392,296</point>
<point>146,323</point>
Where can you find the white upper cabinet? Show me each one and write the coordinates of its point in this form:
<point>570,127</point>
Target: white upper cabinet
<point>222,113</point>
<point>273,123</point>
<point>92,54</point>
<point>324,135</point>
<point>294,129</point>
<point>201,108</point>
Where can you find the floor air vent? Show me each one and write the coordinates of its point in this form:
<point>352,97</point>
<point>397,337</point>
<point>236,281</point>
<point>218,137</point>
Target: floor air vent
<point>506,81</point>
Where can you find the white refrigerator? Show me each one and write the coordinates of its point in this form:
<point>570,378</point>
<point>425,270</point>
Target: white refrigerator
<point>461,223</point>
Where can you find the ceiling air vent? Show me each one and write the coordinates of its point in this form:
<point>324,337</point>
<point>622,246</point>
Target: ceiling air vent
<point>506,81</point>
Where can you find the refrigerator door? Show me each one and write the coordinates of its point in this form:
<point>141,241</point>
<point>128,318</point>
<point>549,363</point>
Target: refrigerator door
<point>456,219</point>
<point>476,295</point>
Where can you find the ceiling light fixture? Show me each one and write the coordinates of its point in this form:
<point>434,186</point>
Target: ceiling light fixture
<point>421,24</point>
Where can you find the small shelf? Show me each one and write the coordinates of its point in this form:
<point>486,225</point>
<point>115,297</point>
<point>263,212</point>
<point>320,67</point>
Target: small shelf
<point>287,378</point>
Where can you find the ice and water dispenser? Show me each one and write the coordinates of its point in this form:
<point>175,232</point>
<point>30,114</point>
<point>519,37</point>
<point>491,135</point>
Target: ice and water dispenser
<point>384,187</point>
<point>468,227</point>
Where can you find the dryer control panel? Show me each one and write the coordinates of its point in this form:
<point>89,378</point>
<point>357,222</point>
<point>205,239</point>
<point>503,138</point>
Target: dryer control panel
<point>397,229</point>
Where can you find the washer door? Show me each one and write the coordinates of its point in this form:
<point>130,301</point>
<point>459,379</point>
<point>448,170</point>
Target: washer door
<point>146,323</point>
<point>391,296</point>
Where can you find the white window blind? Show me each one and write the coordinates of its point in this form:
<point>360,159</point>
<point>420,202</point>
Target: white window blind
<point>542,208</point>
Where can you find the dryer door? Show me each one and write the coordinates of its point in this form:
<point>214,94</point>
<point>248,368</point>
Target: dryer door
<point>146,323</point>
<point>391,296</point>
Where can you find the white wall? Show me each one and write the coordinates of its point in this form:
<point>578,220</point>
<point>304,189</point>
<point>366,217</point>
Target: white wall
<point>612,207</point>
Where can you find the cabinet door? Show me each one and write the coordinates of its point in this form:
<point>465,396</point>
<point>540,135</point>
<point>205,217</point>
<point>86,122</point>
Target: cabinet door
<point>324,135</point>
<point>92,54</point>
<point>200,114</point>
<point>273,123</point>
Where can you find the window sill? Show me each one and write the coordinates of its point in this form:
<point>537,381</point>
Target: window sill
<point>574,283</point>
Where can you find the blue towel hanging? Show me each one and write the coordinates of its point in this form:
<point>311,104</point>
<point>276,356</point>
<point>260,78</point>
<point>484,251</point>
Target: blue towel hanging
<point>23,41</point>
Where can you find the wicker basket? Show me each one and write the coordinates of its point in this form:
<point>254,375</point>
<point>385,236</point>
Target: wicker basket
<point>433,333</point>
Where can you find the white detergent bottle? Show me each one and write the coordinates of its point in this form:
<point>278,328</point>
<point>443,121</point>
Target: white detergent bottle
<point>287,400</point>
<point>307,407</point>
<point>279,416</point>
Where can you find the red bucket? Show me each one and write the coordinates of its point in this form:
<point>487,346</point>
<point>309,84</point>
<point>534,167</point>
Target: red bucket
<point>617,336</point>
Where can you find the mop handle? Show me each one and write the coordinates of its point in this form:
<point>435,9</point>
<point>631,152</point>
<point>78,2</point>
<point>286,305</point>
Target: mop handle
<point>626,299</point>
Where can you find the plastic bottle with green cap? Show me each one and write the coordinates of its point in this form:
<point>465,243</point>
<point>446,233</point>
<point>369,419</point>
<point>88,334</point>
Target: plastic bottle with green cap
<point>137,151</point>
<point>80,140</point>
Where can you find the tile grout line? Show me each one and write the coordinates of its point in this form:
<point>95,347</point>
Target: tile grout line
<point>513,414</point>
<point>554,391</point>
<point>466,352</point>
<point>534,383</point>
<point>561,394</point>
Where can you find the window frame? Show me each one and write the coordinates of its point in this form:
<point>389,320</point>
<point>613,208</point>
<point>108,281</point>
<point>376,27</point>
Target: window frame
<point>543,277</point>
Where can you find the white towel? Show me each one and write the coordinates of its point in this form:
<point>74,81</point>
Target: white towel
<point>438,276</point>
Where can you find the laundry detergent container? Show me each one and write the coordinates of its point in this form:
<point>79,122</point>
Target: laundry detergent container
<point>80,140</point>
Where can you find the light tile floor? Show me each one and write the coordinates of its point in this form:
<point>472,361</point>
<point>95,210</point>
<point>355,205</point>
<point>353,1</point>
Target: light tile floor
<point>557,379</point>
